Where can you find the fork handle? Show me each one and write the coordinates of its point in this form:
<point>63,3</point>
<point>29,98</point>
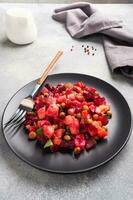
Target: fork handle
<point>45,73</point>
<point>49,68</point>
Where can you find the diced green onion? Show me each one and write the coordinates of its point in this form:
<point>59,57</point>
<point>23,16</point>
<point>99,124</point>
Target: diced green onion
<point>48,143</point>
<point>39,131</point>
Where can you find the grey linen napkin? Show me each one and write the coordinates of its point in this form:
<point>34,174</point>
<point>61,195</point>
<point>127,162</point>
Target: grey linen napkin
<point>84,19</point>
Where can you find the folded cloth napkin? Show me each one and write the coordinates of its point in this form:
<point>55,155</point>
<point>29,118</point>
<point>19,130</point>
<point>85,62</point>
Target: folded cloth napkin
<point>84,19</point>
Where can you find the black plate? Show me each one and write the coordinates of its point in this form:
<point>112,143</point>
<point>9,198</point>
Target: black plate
<point>119,131</point>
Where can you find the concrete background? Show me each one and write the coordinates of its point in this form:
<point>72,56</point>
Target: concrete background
<point>66,1</point>
<point>21,64</point>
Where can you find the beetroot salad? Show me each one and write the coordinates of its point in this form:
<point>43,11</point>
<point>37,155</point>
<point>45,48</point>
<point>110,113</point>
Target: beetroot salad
<point>68,116</point>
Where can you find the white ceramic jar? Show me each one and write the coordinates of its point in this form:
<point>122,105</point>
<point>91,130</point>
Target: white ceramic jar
<point>20,26</point>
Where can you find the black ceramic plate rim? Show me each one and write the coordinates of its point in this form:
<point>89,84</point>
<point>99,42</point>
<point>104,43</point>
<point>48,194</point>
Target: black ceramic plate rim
<point>75,171</point>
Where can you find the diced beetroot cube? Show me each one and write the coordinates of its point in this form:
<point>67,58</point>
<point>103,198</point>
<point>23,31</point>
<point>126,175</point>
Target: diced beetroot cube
<point>90,143</point>
<point>78,109</point>
<point>40,123</point>
<point>102,133</point>
<point>71,111</point>
<point>104,120</point>
<point>80,97</point>
<point>68,120</point>
<point>59,132</point>
<point>82,144</point>
<point>84,103</point>
<point>56,95</point>
<point>57,141</point>
<point>56,120</point>
<point>61,88</point>
<point>50,100</point>
<point>73,130</point>
<point>61,99</point>
<point>37,100</point>
<point>76,103</point>
<point>92,108</point>
<point>80,84</point>
<point>52,110</point>
<point>31,116</point>
<point>48,130</point>
<point>41,113</point>
<point>90,103</point>
<point>76,123</point>
<point>92,130</point>
<point>77,89</point>
<point>68,91</point>
<point>79,141</point>
<point>99,101</point>
<point>87,95</point>
<point>74,127</point>
<point>91,89</point>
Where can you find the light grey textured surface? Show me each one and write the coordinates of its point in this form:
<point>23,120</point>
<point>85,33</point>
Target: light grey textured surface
<point>66,1</point>
<point>21,64</point>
